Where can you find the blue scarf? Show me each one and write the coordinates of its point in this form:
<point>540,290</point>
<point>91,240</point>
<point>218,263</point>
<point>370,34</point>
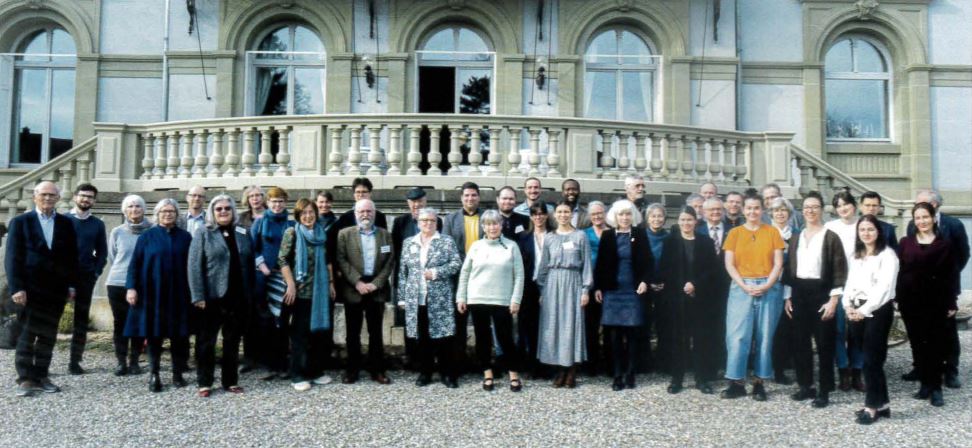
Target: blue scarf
<point>269,216</point>
<point>306,239</point>
<point>656,241</point>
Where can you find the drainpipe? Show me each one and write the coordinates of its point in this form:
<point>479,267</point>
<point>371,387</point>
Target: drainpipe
<point>165,63</point>
<point>739,70</point>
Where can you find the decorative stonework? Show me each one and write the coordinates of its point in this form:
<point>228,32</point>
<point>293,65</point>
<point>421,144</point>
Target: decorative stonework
<point>623,5</point>
<point>457,5</point>
<point>36,4</point>
<point>865,8</point>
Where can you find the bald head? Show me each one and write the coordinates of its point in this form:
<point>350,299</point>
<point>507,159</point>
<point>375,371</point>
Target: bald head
<point>196,199</point>
<point>46,195</point>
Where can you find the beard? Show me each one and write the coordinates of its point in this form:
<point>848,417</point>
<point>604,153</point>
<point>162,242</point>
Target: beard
<point>83,207</point>
<point>364,223</point>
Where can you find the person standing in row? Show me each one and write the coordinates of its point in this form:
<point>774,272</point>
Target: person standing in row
<point>486,290</point>
<point>306,302</point>
<point>195,217</point>
<point>870,288</point>
<point>657,234</point>
<point>850,361</point>
<point>816,271</point>
<point>565,277</point>
<point>734,216</point>
<point>511,223</point>
<point>690,268</point>
<point>570,194</point>
<point>221,283</point>
<point>754,260</point>
<point>623,270</point>
<point>871,205</point>
<point>428,267</point>
<point>634,191</point>
<point>716,227</point>
<point>266,235</point>
<point>926,298</point>
<point>325,202</point>
<point>464,229</point>
<point>530,243</point>
<point>93,253</point>
<point>592,313</point>
<point>532,190</point>
<point>42,274</point>
<point>158,292</point>
<point>254,204</point>
<point>781,210</point>
<point>365,259</point>
<point>121,245</point>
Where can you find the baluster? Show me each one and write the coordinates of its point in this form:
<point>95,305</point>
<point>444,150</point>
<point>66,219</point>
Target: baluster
<point>65,176</point>
<point>202,138</point>
<point>685,158</point>
<point>266,157</point>
<point>335,158</point>
<point>715,156</point>
<point>514,156</point>
<point>475,154</point>
<point>216,169</point>
<point>672,160</point>
<point>12,199</point>
<point>283,156</point>
<point>414,150</point>
<point>172,167</point>
<point>728,148</point>
<point>394,150</point>
<point>656,161</point>
<point>455,156</point>
<point>26,198</point>
<point>230,168</point>
<point>495,157</point>
<point>826,183</point>
<point>435,155</point>
<point>742,167</point>
<point>553,153</point>
<point>623,160</point>
<point>84,167</point>
<point>607,162</point>
<point>354,151</point>
<point>640,161</point>
<point>534,158</point>
<point>249,157</point>
<point>702,159</point>
<point>148,141</point>
<point>161,142</point>
<point>185,162</point>
<point>374,155</point>
<point>804,166</point>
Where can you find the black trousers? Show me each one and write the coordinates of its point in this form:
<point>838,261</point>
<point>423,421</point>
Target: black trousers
<point>119,314</point>
<point>295,325</point>
<point>429,350</point>
<point>624,349</point>
<point>485,319</point>
<point>82,312</point>
<point>460,342</point>
<point>808,297</point>
<point>226,314</point>
<point>528,330</point>
<point>371,311</point>
<point>873,333</point>
<point>644,360</point>
<point>692,341</point>
<point>782,355</point>
<point>592,336</point>
<point>953,346</point>
<point>930,343</point>
<point>180,353</point>
<point>38,320</point>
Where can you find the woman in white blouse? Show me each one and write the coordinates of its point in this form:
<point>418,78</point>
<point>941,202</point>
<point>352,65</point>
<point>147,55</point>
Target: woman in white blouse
<point>873,271</point>
<point>850,362</point>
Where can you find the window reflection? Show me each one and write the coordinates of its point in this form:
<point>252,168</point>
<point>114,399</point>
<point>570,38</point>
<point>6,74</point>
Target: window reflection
<point>288,73</point>
<point>619,77</point>
<point>856,90</point>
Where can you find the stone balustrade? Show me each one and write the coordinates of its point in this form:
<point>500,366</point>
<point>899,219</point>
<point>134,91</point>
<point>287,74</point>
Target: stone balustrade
<point>68,170</point>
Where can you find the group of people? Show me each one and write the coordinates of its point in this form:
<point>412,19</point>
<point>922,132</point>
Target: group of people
<point>549,288</point>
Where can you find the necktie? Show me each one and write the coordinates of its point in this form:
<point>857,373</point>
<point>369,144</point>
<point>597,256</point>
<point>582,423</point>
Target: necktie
<point>714,233</point>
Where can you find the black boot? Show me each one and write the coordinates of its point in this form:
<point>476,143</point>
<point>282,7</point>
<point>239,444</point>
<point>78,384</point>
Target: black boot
<point>178,380</point>
<point>155,382</point>
<point>856,382</point>
<point>133,367</point>
<point>912,375</point>
<point>122,368</point>
<point>845,377</point>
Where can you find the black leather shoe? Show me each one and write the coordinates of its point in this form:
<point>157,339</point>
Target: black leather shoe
<point>952,381</point>
<point>911,375</point>
<point>922,393</point>
<point>451,383</point>
<point>865,418</point>
<point>845,379</point>
<point>423,380</point>
<point>75,369</point>
<point>48,387</point>
<point>516,385</point>
<point>155,383</point>
<point>674,388</point>
<point>178,380</point>
<point>488,384</point>
<point>886,412</point>
<point>735,390</point>
<point>781,379</point>
<point>805,393</point>
<point>134,368</point>
<point>936,398</point>
<point>822,400</point>
<point>618,384</point>
<point>121,370</point>
<point>759,392</point>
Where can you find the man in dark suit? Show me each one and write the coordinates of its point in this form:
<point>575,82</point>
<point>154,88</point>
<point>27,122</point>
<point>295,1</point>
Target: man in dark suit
<point>366,260</point>
<point>871,205</point>
<point>714,225</point>
<point>463,227</point>
<point>513,223</point>
<point>952,230</point>
<point>42,272</point>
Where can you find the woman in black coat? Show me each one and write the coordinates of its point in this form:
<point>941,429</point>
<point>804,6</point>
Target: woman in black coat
<point>530,243</point>
<point>689,269</point>
<point>621,276</point>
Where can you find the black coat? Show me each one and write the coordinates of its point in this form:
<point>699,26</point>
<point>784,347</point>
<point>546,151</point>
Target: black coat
<point>833,273</point>
<point>514,224</point>
<point>952,230</point>
<point>926,276</point>
<point>642,262</point>
<point>45,274</point>
<point>707,268</point>
<point>525,241</point>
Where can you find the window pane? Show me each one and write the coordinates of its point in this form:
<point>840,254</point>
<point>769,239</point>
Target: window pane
<point>271,91</point>
<point>839,57</point>
<point>306,40</point>
<point>605,43</point>
<point>62,43</point>
<point>868,57</point>
<point>37,44</point>
<point>636,97</point>
<point>474,92</point>
<point>31,116</point>
<point>856,108</point>
<point>631,44</point>
<point>308,91</point>
<point>278,40</point>
<point>441,41</point>
<point>62,112</point>
<point>470,41</point>
<point>602,91</point>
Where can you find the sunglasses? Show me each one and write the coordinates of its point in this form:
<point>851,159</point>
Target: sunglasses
<point>222,209</point>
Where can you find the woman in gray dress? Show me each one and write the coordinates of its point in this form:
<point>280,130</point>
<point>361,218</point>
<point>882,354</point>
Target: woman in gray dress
<point>564,277</point>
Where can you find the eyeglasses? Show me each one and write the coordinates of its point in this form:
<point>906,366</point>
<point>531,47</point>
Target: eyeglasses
<point>426,220</point>
<point>167,212</point>
<point>811,208</point>
<point>222,209</point>
<point>86,196</point>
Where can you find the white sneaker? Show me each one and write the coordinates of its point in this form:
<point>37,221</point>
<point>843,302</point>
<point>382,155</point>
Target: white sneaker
<point>302,386</point>
<point>322,380</point>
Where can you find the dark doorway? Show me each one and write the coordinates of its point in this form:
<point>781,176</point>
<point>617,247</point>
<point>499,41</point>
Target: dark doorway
<point>437,94</point>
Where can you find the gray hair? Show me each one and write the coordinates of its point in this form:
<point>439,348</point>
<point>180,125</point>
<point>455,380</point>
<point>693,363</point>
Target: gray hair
<point>211,214</point>
<point>693,197</point>
<point>129,200</point>
<point>246,195</point>
<point>56,187</point>
<point>163,203</point>
<point>655,206</point>
<point>596,204</point>
<point>427,211</point>
<point>632,178</point>
<point>936,197</point>
<point>619,206</point>
<point>490,217</point>
<point>781,202</point>
<point>712,201</point>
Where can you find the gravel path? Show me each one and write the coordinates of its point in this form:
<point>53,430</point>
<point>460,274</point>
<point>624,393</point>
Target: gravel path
<point>101,410</point>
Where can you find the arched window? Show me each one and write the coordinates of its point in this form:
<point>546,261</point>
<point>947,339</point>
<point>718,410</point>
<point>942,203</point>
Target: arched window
<point>619,76</point>
<point>459,57</point>
<point>42,118</point>
<point>287,73</point>
<point>857,81</point>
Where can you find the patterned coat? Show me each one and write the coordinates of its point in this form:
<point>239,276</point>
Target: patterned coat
<point>444,259</point>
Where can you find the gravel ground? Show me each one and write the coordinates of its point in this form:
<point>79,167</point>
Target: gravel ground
<point>99,409</point>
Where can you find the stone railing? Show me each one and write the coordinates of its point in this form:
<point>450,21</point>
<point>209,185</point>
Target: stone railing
<point>434,150</point>
<point>68,170</point>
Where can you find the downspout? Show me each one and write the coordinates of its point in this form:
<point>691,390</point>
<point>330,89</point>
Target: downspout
<point>739,70</point>
<point>165,63</point>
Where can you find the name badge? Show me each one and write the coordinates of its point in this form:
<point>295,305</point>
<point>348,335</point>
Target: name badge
<point>386,249</point>
<point>240,230</point>
<point>569,245</point>
<point>518,229</point>
<point>415,249</point>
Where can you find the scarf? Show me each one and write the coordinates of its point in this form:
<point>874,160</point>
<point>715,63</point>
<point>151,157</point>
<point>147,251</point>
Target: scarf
<point>314,239</point>
<point>271,216</point>
<point>137,229</point>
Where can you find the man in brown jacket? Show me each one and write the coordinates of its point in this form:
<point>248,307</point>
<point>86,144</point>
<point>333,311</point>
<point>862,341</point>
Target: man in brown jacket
<point>366,258</point>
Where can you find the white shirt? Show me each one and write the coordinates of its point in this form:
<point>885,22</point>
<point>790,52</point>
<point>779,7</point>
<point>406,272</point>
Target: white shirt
<point>847,234</point>
<point>47,226</point>
<point>537,250</point>
<point>810,257</point>
<point>872,279</point>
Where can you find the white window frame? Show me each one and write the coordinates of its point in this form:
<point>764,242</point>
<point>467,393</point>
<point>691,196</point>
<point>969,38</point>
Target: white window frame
<point>887,77</point>
<point>619,68</point>
<point>290,62</point>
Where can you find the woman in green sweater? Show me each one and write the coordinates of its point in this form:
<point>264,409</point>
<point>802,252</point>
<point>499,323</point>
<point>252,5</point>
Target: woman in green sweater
<point>486,291</point>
